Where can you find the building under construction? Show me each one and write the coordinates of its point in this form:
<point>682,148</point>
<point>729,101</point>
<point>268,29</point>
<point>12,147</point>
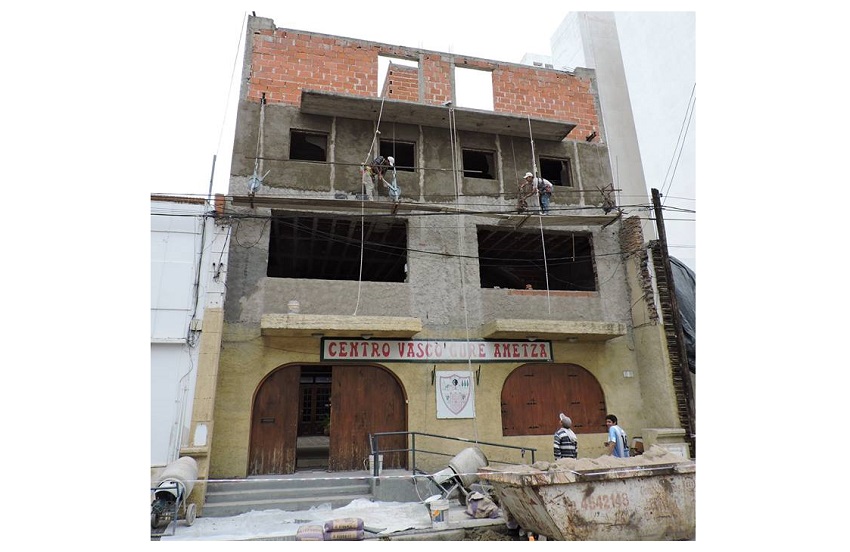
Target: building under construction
<point>452,309</point>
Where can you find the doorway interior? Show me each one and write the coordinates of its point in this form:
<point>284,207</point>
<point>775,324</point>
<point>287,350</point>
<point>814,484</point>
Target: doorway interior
<point>314,415</point>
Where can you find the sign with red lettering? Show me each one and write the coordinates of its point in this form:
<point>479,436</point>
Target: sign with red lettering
<point>428,350</point>
<point>455,396</point>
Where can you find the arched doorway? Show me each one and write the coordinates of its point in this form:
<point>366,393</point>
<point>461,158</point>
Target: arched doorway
<point>293,402</point>
<point>534,394</point>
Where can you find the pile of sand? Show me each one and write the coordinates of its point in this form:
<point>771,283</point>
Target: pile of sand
<point>656,455</point>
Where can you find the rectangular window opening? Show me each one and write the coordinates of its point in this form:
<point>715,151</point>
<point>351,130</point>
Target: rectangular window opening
<point>474,88</point>
<point>514,259</point>
<point>324,248</point>
<point>479,164</point>
<point>556,171</point>
<point>404,154</point>
<point>308,146</point>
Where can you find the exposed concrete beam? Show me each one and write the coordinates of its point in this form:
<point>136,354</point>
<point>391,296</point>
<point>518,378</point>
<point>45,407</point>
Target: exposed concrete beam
<point>553,330</point>
<point>398,111</point>
<point>306,325</point>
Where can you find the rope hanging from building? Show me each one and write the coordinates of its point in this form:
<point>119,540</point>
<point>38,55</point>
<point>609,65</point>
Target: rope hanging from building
<point>461,257</point>
<point>256,181</point>
<point>366,193</point>
<point>540,219</point>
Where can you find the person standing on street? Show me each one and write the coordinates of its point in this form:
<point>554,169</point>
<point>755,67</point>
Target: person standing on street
<point>617,443</point>
<point>566,443</point>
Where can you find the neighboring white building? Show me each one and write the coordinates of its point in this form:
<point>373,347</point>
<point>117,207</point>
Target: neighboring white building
<point>646,72</point>
<point>188,262</point>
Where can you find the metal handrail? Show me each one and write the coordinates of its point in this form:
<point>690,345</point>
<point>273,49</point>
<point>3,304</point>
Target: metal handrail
<point>375,451</point>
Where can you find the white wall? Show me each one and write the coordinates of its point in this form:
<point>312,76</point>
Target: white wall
<point>180,250</point>
<point>657,54</point>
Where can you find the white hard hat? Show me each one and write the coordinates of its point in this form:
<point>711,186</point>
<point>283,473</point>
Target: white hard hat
<point>391,160</point>
<point>528,174</point>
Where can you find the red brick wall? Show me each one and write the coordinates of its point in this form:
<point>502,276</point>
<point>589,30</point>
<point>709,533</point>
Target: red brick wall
<point>401,83</point>
<point>437,73</point>
<point>285,61</point>
<point>547,94</point>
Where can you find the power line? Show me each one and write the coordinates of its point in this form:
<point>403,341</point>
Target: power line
<point>680,143</point>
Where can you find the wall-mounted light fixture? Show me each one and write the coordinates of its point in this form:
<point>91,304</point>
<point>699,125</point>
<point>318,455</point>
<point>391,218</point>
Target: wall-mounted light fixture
<point>531,337</point>
<point>572,340</point>
<point>366,336</point>
<point>317,334</point>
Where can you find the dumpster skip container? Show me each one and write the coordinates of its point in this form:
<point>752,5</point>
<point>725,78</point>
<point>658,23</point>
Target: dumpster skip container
<point>649,497</point>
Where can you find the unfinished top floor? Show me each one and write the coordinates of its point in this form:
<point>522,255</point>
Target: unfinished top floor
<point>313,110</point>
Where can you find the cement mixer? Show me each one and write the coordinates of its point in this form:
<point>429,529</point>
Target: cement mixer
<point>175,485</point>
<point>461,473</point>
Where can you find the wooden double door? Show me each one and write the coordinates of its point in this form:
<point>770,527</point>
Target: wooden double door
<point>293,401</point>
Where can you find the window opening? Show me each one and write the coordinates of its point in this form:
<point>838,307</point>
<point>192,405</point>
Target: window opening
<point>474,88</point>
<point>398,78</point>
<point>556,171</point>
<point>513,259</point>
<point>312,247</point>
<point>308,146</point>
<point>404,154</point>
<point>479,164</point>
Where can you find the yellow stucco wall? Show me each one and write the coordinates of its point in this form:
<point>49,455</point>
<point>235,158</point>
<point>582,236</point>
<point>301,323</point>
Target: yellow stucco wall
<point>247,357</point>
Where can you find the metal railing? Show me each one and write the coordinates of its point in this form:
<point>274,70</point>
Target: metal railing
<point>376,452</point>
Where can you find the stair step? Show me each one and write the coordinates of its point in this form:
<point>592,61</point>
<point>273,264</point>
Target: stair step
<point>232,497</point>
<point>269,493</point>
<point>314,484</point>
<point>234,508</point>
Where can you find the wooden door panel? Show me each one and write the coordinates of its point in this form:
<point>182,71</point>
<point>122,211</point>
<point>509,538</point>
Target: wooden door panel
<point>274,423</point>
<point>534,394</point>
<point>364,400</point>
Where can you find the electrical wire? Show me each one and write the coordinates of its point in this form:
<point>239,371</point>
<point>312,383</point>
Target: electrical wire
<point>680,143</point>
<point>242,29</point>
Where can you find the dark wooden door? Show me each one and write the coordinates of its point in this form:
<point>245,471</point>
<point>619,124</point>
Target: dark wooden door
<point>364,400</point>
<point>534,394</point>
<point>274,423</point>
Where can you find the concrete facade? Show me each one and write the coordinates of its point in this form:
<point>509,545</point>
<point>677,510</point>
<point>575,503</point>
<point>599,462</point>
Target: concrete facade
<point>326,84</point>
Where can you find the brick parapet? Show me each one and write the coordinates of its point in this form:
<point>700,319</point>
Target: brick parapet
<point>284,62</point>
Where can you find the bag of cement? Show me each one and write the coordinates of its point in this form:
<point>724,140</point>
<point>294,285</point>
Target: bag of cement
<point>344,524</point>
<point>479,506</point>
<point>310,533</point>
<point>345,535</point>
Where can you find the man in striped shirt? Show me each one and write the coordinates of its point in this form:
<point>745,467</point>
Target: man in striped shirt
<point>566,444</point>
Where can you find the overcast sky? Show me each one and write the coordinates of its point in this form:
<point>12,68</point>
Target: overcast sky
<point>188,61</point>
<point>196,93</point>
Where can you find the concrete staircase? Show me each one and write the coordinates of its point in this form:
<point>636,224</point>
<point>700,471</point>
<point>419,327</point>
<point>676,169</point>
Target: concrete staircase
<point>299,491</point>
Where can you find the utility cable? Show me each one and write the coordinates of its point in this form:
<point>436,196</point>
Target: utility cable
<point>230,85</point>
<point>680,142</point>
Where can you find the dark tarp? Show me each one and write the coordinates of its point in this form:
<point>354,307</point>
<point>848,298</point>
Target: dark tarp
<point>685,282</point>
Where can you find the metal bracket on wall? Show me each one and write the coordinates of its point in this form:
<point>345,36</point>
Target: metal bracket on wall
<point>478,375</point>
<point>433,375</point>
